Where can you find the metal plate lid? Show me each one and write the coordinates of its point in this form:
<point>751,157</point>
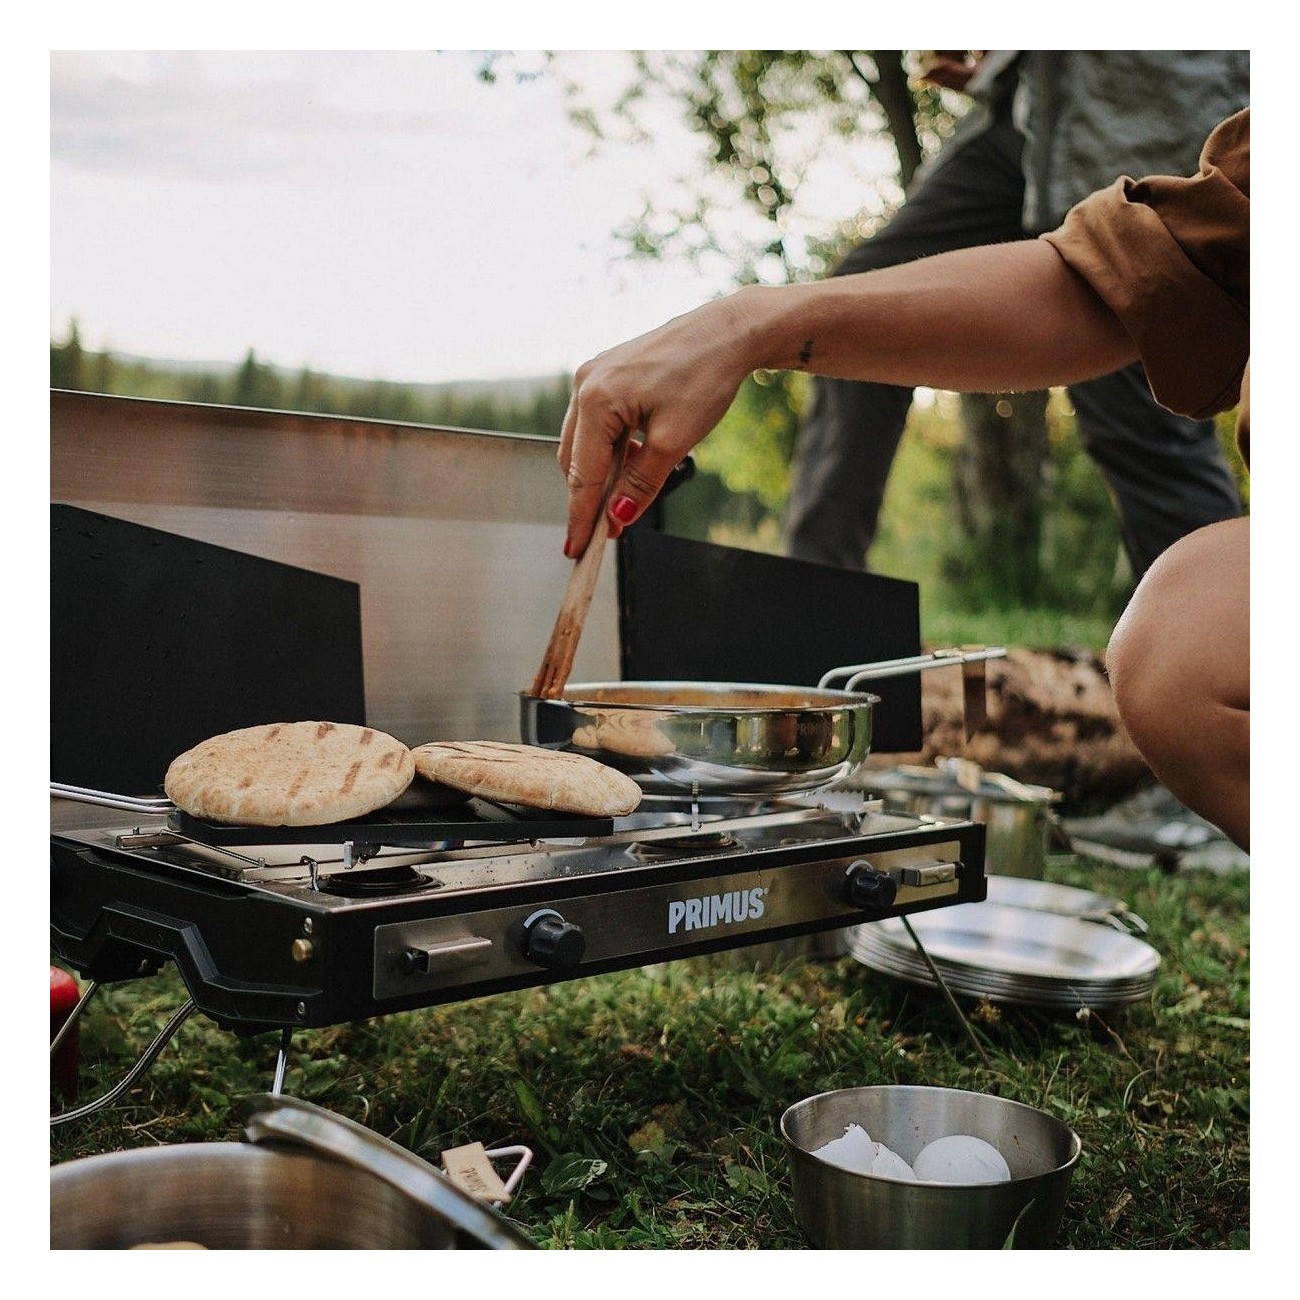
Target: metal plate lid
<point>272,1118</point>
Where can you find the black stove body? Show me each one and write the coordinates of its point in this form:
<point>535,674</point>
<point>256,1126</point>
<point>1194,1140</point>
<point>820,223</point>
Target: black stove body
<point>283,934</point>
<point>165,640</point>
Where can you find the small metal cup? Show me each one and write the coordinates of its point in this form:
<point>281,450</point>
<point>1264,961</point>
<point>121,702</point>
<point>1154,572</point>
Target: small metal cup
<point>841,1210</point>
<point>1018,818</point>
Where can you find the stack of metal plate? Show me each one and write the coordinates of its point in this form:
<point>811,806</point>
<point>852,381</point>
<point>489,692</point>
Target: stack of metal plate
<point>1064,900</point>
<point>1016,955</point>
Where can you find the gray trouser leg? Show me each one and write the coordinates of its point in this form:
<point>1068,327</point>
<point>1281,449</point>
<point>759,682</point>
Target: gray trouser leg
<point>1168,473</point>
<point>851,431</point>
<point>846,447</point>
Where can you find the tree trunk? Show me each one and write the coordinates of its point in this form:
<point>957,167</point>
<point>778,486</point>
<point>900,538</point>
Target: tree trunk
<point>998,481</point>
<point>895,98</point>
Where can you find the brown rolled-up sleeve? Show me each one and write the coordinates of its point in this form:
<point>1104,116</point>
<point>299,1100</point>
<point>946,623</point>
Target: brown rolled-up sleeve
<point>1171,257</point>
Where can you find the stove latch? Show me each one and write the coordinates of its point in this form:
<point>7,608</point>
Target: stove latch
<point>929,873</point>
<point>454,955</point>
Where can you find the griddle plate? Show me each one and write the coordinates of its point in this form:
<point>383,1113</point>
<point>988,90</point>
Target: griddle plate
<point>424,815</point>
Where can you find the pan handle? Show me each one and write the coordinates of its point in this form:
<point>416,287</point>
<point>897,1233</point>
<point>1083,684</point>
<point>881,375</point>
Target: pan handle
<point>159,804</point>
<point>856,673</point>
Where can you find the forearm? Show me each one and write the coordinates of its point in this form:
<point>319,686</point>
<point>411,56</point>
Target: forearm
<point>1003,317</point>
<point>1010,316</point>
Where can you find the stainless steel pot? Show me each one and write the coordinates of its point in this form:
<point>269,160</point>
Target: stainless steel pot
<point>841,1210</point>
<point>708,738</point>
<point>304,1179</point>
<point>723,738</point>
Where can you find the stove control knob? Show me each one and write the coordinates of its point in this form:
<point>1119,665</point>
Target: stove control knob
<point>551,941</point>
<point>869,888</point>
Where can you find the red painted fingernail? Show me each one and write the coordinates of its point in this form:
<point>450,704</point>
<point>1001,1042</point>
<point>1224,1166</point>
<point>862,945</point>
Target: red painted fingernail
<point>624,510</point>
<point>568,549</point>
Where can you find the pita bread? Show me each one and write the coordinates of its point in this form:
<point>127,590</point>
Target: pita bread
<point>290,774</point>
<point>529,775</point>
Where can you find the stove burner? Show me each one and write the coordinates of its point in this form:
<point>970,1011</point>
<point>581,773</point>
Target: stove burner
<point>661,848</point>
<point>370,884</point>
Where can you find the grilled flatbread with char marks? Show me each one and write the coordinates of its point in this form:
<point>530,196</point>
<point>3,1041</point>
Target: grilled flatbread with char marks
<point>529,775</point>
<point>290,774</point>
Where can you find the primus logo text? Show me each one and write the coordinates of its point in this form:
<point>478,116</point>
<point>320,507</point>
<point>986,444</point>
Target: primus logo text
<point>715,909</point>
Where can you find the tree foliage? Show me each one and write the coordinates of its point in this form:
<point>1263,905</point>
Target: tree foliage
<point>765,119</point>
<point>66,368</point>
<point>758,421</point>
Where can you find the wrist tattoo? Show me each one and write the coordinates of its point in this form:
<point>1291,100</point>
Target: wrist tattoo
<point>805,352</point>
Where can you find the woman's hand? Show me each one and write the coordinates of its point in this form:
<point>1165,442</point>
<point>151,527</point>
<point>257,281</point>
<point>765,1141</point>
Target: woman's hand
<point>669,388</point>
<point>951,69</point>
<point>994,319</point>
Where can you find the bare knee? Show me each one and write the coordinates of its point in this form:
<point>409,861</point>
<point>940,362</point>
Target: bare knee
<point>1186,632</point>
<point>1179,665</point>
<point>1148,682</point>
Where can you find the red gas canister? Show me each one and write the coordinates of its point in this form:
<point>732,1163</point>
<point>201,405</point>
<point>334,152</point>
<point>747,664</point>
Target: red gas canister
<point>64,995</point>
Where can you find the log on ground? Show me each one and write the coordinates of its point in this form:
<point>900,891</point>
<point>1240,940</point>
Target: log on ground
<point>1051,721</point>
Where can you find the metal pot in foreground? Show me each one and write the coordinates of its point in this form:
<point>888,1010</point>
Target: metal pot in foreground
<point>842,1210</point>
<point>304,1179</point>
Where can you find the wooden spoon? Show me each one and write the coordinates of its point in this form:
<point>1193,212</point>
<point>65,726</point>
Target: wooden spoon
<point>557,662</point>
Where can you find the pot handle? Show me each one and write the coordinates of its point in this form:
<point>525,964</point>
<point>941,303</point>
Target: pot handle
<point>158,804</point>
<point>275,1118</point>
<point>856,673</point>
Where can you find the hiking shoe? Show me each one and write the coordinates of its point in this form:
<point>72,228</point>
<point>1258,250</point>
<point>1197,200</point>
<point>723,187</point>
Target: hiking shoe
<point>1151,828</point>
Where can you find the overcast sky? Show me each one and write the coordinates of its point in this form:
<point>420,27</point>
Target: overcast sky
<point>377,214</point>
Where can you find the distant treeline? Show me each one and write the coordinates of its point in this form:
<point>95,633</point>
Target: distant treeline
<point>513,406</point>
<point>738,495</point>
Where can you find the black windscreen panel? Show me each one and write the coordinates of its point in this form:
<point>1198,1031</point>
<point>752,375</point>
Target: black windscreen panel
<point>692,611</point>
<point>158,642</point>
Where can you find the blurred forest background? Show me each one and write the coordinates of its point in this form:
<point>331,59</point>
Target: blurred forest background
<point>992,507</point>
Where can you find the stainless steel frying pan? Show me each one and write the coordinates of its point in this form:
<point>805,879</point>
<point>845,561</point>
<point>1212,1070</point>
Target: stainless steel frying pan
<point>710,739</point>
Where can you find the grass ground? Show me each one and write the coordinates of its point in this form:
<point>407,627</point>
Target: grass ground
<point>652,1096</point>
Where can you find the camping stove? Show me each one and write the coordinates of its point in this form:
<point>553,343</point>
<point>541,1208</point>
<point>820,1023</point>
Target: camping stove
<point>281,933</point>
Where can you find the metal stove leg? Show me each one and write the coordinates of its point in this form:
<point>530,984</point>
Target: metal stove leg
<point>73,1016</point>
<point>145,1061</point>
<point>282,1061</point>
<point>947,993</point>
